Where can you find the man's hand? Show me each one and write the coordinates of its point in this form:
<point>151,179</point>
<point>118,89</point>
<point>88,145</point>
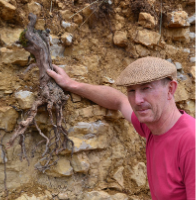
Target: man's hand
<point>61,78</point>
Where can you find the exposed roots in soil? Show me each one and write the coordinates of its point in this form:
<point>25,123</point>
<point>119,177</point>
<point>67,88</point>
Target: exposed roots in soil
<point>3,153</point>
<point>138,6</point>
<point>50,94</point>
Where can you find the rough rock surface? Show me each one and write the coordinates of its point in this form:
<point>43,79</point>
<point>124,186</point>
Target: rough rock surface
<point>109,159</point>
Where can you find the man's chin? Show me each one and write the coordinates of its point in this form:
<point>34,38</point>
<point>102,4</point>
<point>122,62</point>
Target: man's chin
<point>143,116</point>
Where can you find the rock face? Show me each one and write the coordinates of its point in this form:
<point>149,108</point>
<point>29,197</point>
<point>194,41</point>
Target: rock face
<point>120,39</point>
<point>92,44</point>
<point>25,99</point>
<point>147,38</point>
<point>177,19</point>
<point>8,11</point>
<point>146,20</point>
<point>8,118</point>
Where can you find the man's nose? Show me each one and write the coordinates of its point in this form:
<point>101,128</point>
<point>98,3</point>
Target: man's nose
<point>139,98</point>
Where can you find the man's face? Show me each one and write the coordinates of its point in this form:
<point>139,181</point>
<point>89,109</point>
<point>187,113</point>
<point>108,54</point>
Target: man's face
<point>148,100</point>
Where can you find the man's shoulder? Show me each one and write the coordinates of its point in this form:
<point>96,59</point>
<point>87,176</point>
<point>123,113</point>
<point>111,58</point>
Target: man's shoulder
<point>188,123</point>
<point>187,133</point>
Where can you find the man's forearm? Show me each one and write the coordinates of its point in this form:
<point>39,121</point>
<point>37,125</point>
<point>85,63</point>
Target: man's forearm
<point>104,96</point>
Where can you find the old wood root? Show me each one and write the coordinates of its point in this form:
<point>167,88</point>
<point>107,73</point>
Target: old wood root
<point>50,94</point>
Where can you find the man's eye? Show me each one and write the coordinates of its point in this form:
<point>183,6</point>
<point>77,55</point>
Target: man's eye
<point>131,91</point>
<point>145,88</point>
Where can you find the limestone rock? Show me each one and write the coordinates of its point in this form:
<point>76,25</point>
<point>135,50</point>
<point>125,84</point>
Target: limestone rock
<point>8,11</point>
<point>178,34</point>
<point>114,114</point>
<point>193,59</point>
<point>120,38</point>
<point>48,194</point>
<point>118,176</point>
<point>34,8</point>
<point>191,19</point>
<point>134,197</point>
<point>62,168</point>
<point>67,39</point>
<point>69,27</point>
<point>177,19</point>
<point>9,35</point>
<point>141,50</point>
<point>181,93</point>
<point>75,98</point>
<point>192,35</point>
<point>146,20</point>
<point>87,11</point>
<point>78,19</point>
<point>91,111</point>
<point>25,99</point>
<point>119,196</point>
<point>178,65</point>
<point>90,136</point>
<point>63,196</point>
<point>107,80</point>
<point>16,56</point>
<point>80,163</point>
<point>192,71</point>
<point>190,107</point>
<point>139,174</point>
<point>147,38</point>
<point>8,117</point>
<point>56,49</point>
<point>97,195</point>
<point>171,50</point>
<point>65,14</point>
<point>76,70</point>
<point>40,24</point>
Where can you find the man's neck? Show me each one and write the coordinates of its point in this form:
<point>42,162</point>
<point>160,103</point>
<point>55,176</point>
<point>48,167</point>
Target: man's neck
<point>166,122</point>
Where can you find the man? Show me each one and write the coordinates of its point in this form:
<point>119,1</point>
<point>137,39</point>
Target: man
<point>150,106</point>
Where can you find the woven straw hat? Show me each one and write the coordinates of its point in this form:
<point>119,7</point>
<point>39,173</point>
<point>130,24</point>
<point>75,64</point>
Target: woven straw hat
<point>145,70</point>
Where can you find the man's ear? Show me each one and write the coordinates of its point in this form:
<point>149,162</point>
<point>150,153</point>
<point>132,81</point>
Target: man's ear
<point>172,86</point>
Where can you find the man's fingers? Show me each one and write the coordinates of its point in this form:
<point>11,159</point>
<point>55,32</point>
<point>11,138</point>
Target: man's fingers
<point>56,68</point>
<point>51,73</point>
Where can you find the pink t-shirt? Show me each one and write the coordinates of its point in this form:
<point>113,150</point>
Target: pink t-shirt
<point>170,159</point>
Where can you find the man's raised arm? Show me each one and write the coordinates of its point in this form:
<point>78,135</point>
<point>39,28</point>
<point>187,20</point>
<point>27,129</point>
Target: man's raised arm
<point>104,96</point>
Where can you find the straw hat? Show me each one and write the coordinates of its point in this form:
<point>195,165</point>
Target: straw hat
<point>145,70</point>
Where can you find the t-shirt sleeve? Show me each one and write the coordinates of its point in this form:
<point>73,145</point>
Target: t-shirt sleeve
<point>137,125</point>
<point>187,163</point>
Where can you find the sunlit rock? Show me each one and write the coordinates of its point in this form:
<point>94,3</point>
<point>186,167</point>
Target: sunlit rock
<point>97,195</point>
<point>118,176</point>
<point>9,35</point>
<point>80,163</point>
<point>139,174</point>
<point>119,196</point>
<point>141,50</point>
<point>62,168</point>
<point>146,20</point>
<point>65,14</point>
<point>67,39</point>
<point>120,38</point>
<point>8,117</point>
<point>191,19</point>
<point>178,34</point>
<point>147,38</point>
<point>177,19</point>
<point>25,99</point>
<point>8,11</point>
<point>181,93</point>
<point>16,56</point>
<point>34,8</point>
